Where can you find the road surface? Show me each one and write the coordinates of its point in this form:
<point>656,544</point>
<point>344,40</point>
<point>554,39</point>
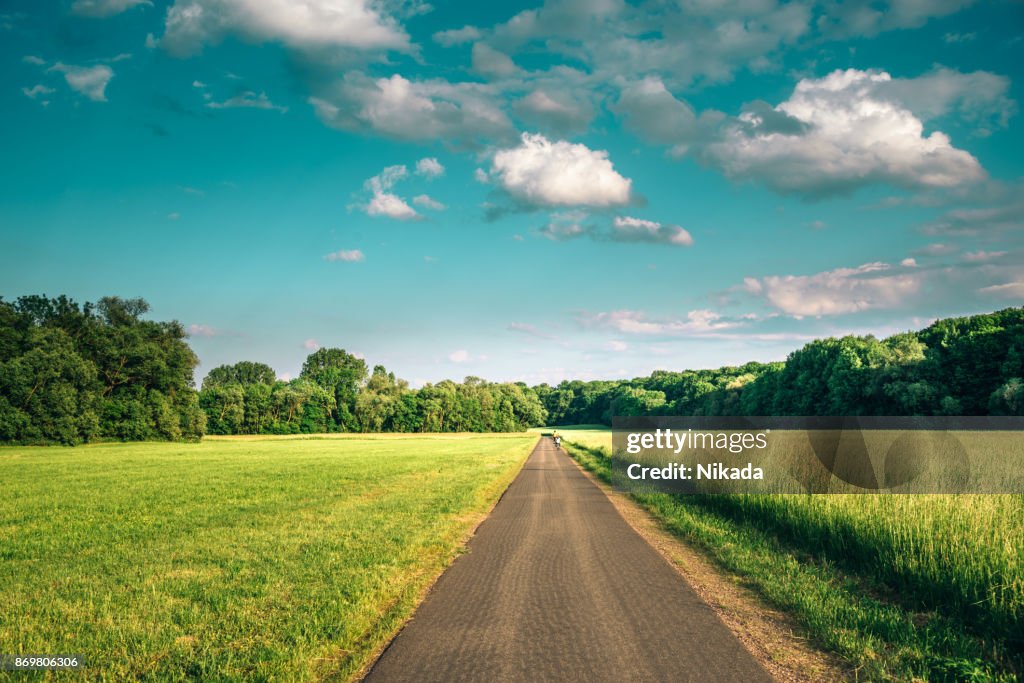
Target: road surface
<point>556,586</point>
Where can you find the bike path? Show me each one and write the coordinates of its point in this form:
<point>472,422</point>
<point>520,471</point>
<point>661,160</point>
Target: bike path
<point>556,586</point>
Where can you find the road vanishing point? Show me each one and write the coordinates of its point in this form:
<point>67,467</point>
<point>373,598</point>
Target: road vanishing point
<point>556,586</point>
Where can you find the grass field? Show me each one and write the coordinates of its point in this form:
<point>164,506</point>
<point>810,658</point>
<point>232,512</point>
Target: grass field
<point>902,587</point>
<point>235,558</point>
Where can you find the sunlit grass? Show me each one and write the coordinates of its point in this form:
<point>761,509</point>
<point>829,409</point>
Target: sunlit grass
<point>235,558</point>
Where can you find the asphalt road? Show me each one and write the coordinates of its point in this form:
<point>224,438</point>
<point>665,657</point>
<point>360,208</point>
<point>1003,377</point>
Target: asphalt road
<point>556,586</point>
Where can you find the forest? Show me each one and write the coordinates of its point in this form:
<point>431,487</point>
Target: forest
<point>73,373</point>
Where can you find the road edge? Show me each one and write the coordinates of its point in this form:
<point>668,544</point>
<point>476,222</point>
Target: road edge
<point>768,634</point>
<point>377,653</point>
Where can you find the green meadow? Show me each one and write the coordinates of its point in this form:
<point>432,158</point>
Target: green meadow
<point>237,558</point>
<point>922,587</point>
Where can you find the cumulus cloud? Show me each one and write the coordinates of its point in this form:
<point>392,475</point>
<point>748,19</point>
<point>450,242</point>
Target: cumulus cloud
<point>629,229</point>
<point>311,344</point>
<point>384,202</point>
<point>853,135</point>
<point>461,114</point>
<point>653,113</point>
<point>429,167</point>
<point>90,81</point>
<point>427,202</point>
<point>979,96</point>
<point>460,356</point>
<point>104,8</point>
<point>392,206</point>
<point>542,173</point>
<point>457,36</point>
<point>492,63</point>
<point>841,19</point>
<point>835,292</point>
<point>346,256</point>
<point>556,111</point>
<point>566,225</point>
<point>305,26</point>
<point>248,100</point>
<point>33,60</point>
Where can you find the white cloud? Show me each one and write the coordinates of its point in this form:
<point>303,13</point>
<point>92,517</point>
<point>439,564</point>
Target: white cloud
<point>909,262</point>
<point>198,84</point>
<point>853,134</point>
<point>429,167</point>
<point>491,63</point>
<point>457,36</point>
<point>346,256</point>
<point>979,96</point>
<point>1010,290</point>
<point>460,356</point>
<point>696,322</point>
<point>629,229</point>
<point>151,42</point>
<point>385,203</point>
<point>197,330</point>
<point>846,19</point>
<point>617,346</point>
<point>834,292</point>
<point>173,216</point>
<point>952,38</point>
<point>32,59</point>
<point>461,114</point>
<point>311,344</point>
<point>480,175</point>
<point>308,25</point>
<point>653,113</point>
<point>557,111</point>
<point>553,174</point>
<point>392,206</point>
<point>248,99</point>
<point>427,202</point>
<point>104,8</point>
<point>526,328</point>
<point>37,90</point>
<point>1005,214</point>
<point>90,81</point>
<point>936,249</point>
<point>982,256</point>
<point>566,225</point>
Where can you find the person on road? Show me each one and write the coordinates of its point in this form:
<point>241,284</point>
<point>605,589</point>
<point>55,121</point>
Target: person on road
<point>558,440</point>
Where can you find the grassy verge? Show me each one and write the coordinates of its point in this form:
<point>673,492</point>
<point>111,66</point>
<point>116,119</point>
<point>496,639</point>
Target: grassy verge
<point>923,587</point>
<point>234,559</point>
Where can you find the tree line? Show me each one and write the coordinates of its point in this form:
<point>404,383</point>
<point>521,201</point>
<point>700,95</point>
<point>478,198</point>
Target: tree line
<point>71,374</point>
<point>335,393</point>
<point>957,366</point>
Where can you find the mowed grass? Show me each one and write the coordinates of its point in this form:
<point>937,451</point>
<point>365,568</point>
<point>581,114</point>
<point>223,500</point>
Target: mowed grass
<point>922,587</point>
<point>235,558</point>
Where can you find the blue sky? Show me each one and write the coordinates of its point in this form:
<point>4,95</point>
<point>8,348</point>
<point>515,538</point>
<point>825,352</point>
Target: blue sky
<point>516,191</point>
